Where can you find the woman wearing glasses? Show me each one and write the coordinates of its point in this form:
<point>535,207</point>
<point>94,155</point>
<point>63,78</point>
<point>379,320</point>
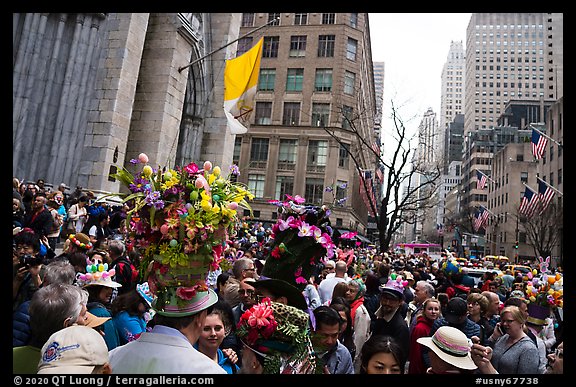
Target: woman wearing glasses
<point>514,352</point>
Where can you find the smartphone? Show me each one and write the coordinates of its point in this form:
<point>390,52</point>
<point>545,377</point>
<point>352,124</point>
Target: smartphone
<point>501,329</point>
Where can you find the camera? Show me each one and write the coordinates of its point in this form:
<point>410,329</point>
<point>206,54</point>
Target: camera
<point>30,260</point>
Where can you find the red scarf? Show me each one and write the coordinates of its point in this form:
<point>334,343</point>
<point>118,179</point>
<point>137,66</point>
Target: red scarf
<point>353,306</point>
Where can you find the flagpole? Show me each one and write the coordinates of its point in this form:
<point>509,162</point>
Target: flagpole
<point>226,45</point>
<point>548,137</point>
<point>554,189</point>
<point>530,188</point>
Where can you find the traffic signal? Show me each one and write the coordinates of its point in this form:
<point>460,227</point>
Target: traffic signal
<point>516,244</point>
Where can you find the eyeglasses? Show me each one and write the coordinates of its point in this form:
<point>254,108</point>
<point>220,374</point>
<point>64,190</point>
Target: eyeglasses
<point>507,321</point>
<point>252,269</point>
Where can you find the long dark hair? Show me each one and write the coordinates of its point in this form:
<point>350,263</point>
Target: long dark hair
<point>129,302</point>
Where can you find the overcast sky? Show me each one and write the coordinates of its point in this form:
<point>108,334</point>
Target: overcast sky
<point>414,48</point>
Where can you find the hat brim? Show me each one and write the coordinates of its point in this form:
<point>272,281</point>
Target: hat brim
<point>94,321</point>
<point>282,288</point>
<point>108,284</point>
<point>394,292</point>
<point>67,370</point>
<point>202,302</point>
<point>462,362</point>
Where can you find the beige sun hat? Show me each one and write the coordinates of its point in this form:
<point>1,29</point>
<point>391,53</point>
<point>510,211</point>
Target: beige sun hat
<point>452,346</point>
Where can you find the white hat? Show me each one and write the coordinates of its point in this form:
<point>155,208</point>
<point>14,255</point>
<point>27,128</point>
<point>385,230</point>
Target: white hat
<point>76,349</point>
<point>452,346</point>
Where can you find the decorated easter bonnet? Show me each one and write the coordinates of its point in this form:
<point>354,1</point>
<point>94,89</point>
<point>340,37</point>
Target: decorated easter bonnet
<point>451,345</point>
<point>80,240</point>
<point>144,292</point>
<point>301,239</point>
<point>277,332</point>
<point>179,221</point>
<point>394,286</point>
<point>97,273</point>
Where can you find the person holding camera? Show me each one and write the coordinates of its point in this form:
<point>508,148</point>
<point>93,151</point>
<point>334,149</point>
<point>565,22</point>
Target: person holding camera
<point>26,263</point>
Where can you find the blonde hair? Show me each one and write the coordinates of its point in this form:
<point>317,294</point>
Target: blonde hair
<point>515,312</point>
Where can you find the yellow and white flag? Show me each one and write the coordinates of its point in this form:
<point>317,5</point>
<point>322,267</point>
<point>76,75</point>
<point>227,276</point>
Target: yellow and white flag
<point>240,82</point>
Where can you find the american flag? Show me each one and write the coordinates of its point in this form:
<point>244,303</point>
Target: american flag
<point>379,175</point>
<point>480,180</point>
<point>367,176</point>
<point>528,203</point>
<point>545,194</point>
<point>538,144</point>
<point>480,218</point>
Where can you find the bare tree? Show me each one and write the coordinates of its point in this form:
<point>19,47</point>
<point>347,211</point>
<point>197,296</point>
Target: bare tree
<point>409,184</point>
<point>542,231</point>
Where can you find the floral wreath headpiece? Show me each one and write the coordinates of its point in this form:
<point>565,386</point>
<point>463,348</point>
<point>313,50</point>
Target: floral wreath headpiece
<point>79,243</point>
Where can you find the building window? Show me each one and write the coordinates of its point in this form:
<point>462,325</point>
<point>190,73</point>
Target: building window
<point>354,19</point>
<point>326,45</point>
<point>272,16</point>
<point>244,45</point>
<point>287,155</point>
<point>349,81</point>
<point>317,156</point>
<point>298,46</point>
<point>247,19</point>
<point>341,187</point>
<point>347,118</point>
<point>320,114</point>
<point>284,186</point>
<point>328,18</point>
<point>259,153</point>
<point>323,80</point>
<point>351,49</point>
<point>270,47</point>
<point>294,79</point>
<point>339,222</point>
<point>300,19</point>
<point>524,177</point>
<point>266,79</point>
<point>236,152</point>
<point>314,191</point>
<point>291,114</point>
<point>256,184</point>
<point>263,113</point>
<point>343,156</point>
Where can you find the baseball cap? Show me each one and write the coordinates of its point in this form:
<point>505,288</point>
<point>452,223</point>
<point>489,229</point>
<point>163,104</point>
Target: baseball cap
<point>76,349</point>
<point>455,309</point>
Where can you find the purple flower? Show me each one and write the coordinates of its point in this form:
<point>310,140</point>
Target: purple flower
<point>139,185</point>
<point>134,161</point>
<point>159,204</point>
<point>234,170</point>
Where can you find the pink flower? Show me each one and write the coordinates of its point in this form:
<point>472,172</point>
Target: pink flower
<point>186,293</point>
<point>296,199</point>
<point>191,168</point>
<point>304,230</point>
<point>284,224</point>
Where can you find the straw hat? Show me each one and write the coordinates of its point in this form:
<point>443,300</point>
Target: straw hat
<point>452,346</point>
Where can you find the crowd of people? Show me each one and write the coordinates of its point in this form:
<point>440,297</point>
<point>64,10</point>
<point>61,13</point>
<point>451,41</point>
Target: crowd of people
<point>352,310</point>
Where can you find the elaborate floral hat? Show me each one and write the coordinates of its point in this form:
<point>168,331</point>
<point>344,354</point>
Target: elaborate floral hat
<point>302,238</point>
<point>546,291</point>
<point>179,221</point>
<point>277,332</point>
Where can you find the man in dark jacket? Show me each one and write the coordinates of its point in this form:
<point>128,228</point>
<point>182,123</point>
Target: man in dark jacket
<point>39,218</point>
<point>389,320</point>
